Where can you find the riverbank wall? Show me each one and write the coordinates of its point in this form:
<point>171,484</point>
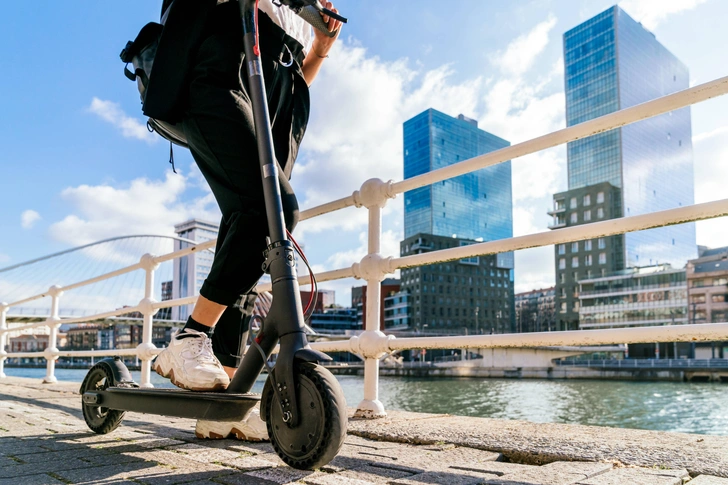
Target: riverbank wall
<point>555,372</point>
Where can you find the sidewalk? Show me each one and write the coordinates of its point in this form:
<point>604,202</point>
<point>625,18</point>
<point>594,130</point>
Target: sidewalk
<point>44,440</point>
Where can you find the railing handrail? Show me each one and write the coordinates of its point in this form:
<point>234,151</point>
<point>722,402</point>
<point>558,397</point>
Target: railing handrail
<point>372,344</point>
<point>695,94</point>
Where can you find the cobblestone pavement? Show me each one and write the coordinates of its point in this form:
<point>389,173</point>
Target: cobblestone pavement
<point>44,440</point>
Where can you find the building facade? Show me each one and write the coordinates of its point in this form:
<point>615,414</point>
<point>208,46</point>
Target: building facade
<point>28,343</point>
<point>612,62</point>
<point>397,311</point>
<point>535,310</point>
<point>390,286</point>
<point>472,206</point>
<point>708,286</point>
<point>90,336</point>
<point>190,271</point>
<point>587,259</point>
<point>335,321</point>
<point>636,297</point>
<point>639,297</point>
<point>473,295</point>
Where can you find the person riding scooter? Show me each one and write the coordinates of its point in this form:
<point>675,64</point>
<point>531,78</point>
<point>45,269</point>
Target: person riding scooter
<point>218,124</point>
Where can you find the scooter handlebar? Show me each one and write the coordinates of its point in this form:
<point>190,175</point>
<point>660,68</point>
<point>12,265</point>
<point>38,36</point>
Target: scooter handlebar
<point>312,15</point>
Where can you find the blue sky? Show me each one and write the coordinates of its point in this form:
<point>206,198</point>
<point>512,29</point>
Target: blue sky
<point>77,165</point>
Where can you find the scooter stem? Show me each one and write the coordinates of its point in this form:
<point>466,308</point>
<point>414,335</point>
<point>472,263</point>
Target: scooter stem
<point>285,320</point>
<point>263,134</point>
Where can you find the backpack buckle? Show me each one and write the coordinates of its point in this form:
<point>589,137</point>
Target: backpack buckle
<point>125,52</point>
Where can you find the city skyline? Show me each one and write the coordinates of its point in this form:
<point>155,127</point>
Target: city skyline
<point>509,79</point>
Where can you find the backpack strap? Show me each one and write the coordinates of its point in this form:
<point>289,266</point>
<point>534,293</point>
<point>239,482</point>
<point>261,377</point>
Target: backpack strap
<point>165,8</point>
<point>149,33</point>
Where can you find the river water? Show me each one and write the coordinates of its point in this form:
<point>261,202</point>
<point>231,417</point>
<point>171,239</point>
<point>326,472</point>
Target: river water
<point>664,406</point>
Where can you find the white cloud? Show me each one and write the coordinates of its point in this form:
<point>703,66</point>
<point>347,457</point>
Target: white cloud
<point>344,259</point>
<point>521,53</point>
<point>358,106</point>
<point>653,12</point>
<point>710,134</point>
<point>360,136</point>
<point>130,127</point>
<point>141,207</point>
<point>28,218</point>
<point>534,269</point>
<point>4,258</point>
<point>710,151</point>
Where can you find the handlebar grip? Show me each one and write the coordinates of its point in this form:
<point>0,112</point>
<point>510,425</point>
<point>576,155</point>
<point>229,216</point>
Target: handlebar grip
<point>313,17</point>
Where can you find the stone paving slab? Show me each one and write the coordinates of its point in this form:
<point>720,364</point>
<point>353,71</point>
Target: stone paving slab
<point>43,440</point>
<point>521,441</point>
<point>709,480</point>
<point>636,476</point>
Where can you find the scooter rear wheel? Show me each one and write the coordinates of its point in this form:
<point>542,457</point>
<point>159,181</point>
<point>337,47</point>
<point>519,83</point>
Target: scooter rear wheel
<point>321,429</point>
<point>101,420</point>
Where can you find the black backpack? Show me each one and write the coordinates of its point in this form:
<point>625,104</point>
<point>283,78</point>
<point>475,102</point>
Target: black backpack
<point>160,56</point>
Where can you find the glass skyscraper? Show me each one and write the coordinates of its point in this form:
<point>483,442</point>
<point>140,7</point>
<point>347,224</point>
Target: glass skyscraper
<point>612,62</point>
<point>476,205</point>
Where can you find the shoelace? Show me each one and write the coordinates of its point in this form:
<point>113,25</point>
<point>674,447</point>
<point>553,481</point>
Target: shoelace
<point>202,350</point>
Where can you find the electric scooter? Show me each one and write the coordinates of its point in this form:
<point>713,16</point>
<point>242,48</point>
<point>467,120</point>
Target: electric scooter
<point>302,403</point>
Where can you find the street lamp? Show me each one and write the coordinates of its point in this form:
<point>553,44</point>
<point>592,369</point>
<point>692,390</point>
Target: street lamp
<point>692,344</point>
<point>674,344</point>
<point>477,310</point>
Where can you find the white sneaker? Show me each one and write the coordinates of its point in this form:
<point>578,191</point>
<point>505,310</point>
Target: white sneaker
<point>191,364</point>
<point>252,428</point>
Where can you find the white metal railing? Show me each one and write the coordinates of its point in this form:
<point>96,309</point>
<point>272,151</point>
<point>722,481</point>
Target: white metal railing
<point>373,195</point>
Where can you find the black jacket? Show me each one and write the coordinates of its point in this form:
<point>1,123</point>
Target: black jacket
<point>181,36</point>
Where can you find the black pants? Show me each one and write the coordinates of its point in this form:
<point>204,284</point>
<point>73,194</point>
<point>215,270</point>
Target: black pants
<point>221,134</point>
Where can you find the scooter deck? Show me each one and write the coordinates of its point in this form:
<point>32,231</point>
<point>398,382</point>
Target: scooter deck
<point>212,406</point>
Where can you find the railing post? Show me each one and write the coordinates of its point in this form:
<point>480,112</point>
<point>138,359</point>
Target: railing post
<point>372,343</point>
<point>54,322</point>
<point>146,350</point>
<point>3,337</point>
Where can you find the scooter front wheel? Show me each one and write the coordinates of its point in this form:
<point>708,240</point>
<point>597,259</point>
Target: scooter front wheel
<point>101,420</point>
<point>321,428</point>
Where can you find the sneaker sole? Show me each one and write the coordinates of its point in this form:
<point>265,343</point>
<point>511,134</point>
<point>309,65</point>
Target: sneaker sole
<point>238,434</point>
<point>170,375</point>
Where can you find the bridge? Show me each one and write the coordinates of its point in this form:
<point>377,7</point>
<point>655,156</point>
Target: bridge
<point>715,370</point>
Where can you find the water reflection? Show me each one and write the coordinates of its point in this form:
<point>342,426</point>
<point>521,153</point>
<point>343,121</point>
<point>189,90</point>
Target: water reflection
<point>666,406</point>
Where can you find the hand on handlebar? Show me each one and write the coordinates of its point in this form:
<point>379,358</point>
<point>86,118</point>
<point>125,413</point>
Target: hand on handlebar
<point>322,43</point>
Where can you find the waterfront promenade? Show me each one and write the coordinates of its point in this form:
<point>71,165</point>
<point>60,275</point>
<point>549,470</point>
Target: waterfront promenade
<point>43,440</point>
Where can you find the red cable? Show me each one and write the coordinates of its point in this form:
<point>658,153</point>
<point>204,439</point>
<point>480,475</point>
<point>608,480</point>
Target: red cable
<point>314,284</point>
<point>256,48</point>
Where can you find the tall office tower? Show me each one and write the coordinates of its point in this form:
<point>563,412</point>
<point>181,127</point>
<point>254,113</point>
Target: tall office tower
<point>473,207</point>
<point>477,205</point>
<point>190,271</point>
<point>613,63</point>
